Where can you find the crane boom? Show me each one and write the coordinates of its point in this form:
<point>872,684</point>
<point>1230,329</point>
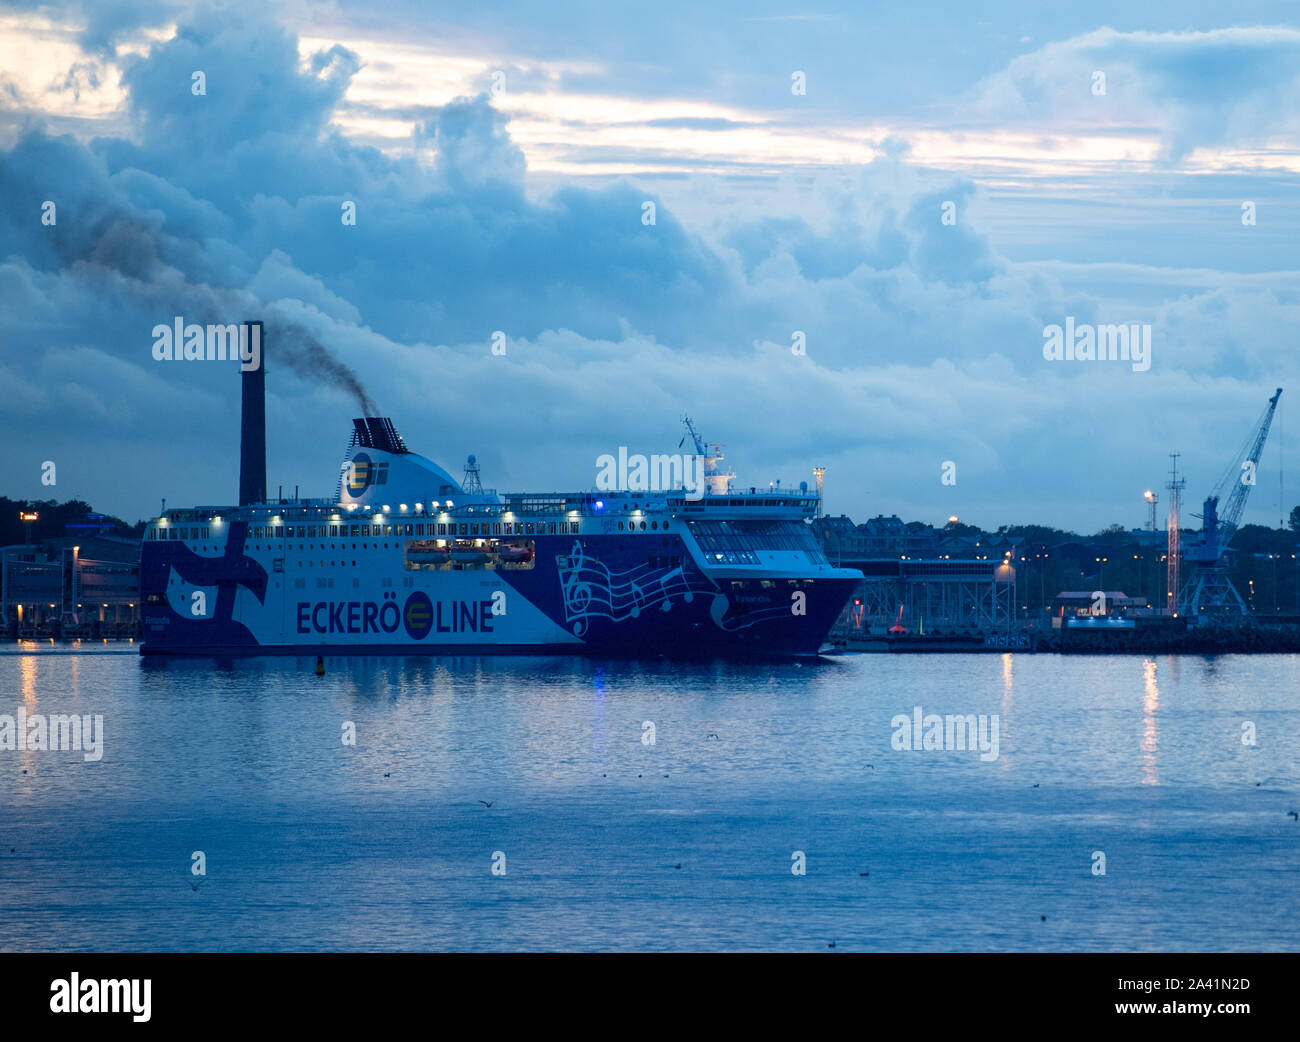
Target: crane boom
<point>1210,593</point>
<point>1236,505</point>
<point>1217,530</point>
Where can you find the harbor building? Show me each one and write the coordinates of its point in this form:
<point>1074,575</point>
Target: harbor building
<point>82,584</point>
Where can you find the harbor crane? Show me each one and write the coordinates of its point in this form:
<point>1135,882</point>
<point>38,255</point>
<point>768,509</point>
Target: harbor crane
<point>1209,592</point>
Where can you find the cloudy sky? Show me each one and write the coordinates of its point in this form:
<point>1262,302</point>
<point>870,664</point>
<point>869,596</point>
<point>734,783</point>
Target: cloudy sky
<point>918,191</point>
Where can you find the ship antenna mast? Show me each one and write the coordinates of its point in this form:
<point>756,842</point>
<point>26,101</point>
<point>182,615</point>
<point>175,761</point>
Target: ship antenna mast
<point>472,485</point>
<point>716,480</point>
<point>691,432</point>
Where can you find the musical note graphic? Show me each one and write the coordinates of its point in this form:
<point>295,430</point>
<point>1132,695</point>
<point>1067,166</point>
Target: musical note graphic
<point>591,590</point>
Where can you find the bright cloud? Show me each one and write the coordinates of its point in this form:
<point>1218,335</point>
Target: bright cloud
<point>523,212</point>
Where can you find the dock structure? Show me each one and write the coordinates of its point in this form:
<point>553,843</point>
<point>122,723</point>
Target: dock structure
<point>936,594</point>
<point>923,580</point>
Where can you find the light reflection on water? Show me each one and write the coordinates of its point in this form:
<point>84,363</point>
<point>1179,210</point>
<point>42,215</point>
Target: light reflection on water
<point>317,845</point>
<point>1150,731</point>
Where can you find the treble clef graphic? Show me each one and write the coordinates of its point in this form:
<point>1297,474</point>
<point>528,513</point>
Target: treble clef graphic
<point>577,592</point>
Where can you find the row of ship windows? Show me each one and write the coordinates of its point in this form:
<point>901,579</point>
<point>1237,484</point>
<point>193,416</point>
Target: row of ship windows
<point>177,533</point>
<point>466,528</point>
<point>366,531</point>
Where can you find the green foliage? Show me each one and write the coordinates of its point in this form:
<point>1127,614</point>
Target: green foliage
<point>1037,533</point>
<point>54,517</point>
<point>1258,539</point>
<point>1113,535</point>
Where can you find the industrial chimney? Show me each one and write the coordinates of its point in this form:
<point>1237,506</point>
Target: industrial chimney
<point>252,427</point>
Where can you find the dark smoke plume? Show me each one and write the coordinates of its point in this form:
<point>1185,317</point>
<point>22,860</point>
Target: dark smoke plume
<point>289,343</point>
<point>128,251</point>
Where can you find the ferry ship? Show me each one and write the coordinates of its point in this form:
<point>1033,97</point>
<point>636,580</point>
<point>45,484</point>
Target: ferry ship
<point>404,559</point>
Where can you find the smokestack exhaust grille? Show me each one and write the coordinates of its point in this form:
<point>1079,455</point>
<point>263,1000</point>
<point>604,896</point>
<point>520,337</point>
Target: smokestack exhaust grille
<point>377,432</point>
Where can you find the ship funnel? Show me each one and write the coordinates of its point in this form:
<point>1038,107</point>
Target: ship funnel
<point>377,432</point>
<point>252,425</point>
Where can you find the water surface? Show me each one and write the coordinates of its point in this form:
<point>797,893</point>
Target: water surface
<point>686,843</point>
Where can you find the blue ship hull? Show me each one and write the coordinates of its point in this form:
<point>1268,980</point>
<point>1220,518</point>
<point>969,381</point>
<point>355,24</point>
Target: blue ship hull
<point>594,594</point>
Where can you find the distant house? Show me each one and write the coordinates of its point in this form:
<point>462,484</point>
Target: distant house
<point>1074,602</point>
<point>885,538</point>
<point>891,537</point>
<point>836,535</point>
<point>878,538</point>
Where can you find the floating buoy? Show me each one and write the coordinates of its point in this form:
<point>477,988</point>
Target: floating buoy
<point>320,666</point>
